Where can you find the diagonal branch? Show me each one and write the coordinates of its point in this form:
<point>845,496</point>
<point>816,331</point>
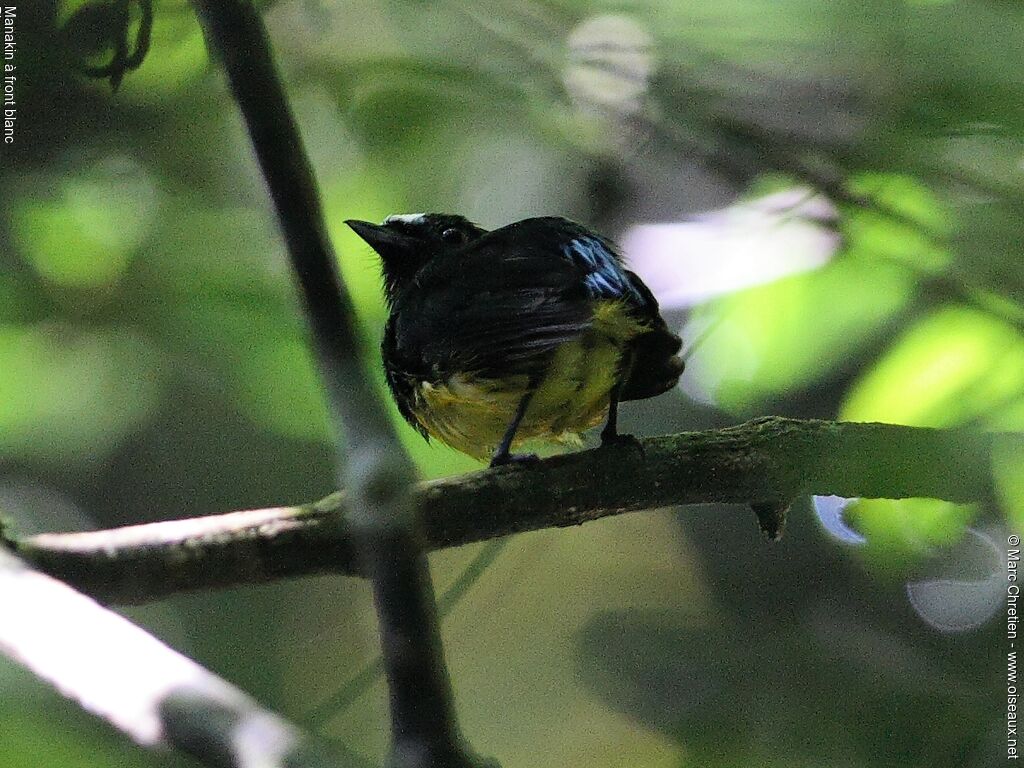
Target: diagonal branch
<point>370,461</point>
<point>119,672</point>
<point>763,461</point>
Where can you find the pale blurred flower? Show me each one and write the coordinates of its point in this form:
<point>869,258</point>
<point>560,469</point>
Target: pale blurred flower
<point>747,244</point>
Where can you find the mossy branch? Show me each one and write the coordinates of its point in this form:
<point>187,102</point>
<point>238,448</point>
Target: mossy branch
<point>767,461</point>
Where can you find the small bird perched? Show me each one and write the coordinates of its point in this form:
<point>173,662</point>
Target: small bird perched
<point>535,330</point>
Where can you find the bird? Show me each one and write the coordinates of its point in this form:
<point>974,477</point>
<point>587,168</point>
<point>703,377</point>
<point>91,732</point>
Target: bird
<point>534,331</point>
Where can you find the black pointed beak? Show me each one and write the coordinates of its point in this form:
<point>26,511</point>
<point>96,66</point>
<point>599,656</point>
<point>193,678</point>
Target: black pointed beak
<point>383,239</point>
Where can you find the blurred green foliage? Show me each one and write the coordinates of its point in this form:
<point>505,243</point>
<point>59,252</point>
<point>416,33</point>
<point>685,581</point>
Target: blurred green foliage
<point>153,363</point>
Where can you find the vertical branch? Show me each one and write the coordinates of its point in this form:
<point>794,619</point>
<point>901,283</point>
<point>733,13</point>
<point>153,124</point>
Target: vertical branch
<point>376,472</point>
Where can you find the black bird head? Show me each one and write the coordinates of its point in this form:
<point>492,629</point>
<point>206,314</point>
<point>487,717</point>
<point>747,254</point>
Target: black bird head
<point>407,242</point>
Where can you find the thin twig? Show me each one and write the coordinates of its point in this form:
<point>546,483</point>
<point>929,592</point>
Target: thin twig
<point>370,673</point>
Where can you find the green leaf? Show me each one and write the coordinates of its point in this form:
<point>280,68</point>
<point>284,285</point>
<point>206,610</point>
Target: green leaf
<point>908,224</point>
<point>954,366</point>
<point>787,334</point>
<point>265,357</point>
<point>85,234</point>
<point>1008,473</point>
<point>71,395</point>
<point>901,531</point>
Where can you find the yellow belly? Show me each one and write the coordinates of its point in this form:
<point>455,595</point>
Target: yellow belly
<point>472,414</point>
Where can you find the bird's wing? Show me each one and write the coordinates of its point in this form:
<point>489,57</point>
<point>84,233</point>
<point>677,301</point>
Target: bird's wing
<point>655,366</point>
<point>501,307</point>
<point>492,313</point>
<point>602,270</point>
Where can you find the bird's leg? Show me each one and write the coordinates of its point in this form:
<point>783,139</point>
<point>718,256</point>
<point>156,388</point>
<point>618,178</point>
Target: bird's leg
<point>502,455</point>
<point>610,434</point>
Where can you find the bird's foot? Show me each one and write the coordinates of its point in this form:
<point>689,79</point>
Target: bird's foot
<point>616,440</point>
<point>524,459</point>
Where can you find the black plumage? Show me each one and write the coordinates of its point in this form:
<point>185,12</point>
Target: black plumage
<point>481,321</point>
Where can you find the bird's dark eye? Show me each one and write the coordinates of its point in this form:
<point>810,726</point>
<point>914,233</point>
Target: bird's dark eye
<point>453,236</point>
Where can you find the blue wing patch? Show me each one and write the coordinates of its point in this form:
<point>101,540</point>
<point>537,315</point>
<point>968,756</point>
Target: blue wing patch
<point>605,278</point>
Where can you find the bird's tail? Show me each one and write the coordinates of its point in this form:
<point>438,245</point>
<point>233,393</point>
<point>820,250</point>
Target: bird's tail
<point>656,365</point>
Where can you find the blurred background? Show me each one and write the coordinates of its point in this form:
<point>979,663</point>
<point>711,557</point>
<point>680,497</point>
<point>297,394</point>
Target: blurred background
<point>827,199</point>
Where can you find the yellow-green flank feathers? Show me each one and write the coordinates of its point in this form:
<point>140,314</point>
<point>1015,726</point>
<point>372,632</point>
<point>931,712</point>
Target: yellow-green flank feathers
<point>532,331</point>
<point>472,414</point>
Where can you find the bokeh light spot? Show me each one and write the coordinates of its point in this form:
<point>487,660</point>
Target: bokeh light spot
<point>609,64</point>
<point>829,510</point>
<point>85,234</point>
<point>959,600</point>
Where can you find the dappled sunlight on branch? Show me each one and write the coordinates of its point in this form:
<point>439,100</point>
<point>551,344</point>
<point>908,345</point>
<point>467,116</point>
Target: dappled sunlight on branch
<point>126,676</point>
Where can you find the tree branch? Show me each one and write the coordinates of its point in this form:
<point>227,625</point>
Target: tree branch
<point>371,463</point>
<point>153,694</point>
<point>770,460</point>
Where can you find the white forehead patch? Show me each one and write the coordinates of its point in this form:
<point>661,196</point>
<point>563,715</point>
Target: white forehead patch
<point>406,218</point>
